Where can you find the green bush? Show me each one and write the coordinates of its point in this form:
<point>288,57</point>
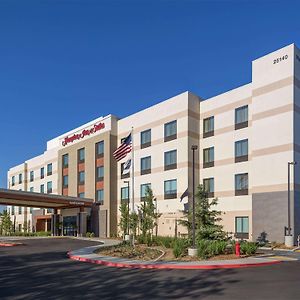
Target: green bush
<point>248,248</point>
<point>180,247</point>
<point>42,233</point>
<point>90,234</point>
<point>208,248</point>
<point>165,241</point>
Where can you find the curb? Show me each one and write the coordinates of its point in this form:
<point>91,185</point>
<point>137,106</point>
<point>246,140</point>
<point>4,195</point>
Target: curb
<point>9,244</point>
<point>168,266</point>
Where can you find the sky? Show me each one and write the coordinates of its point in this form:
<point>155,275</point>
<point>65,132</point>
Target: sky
<point>66,62</point>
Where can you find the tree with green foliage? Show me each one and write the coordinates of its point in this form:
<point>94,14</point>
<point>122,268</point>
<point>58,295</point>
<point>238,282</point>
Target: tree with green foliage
<point>148,214</point>
<point>6,224</point>
<point>207,218</point>
<point>124,220</point>
<point>134,222</point>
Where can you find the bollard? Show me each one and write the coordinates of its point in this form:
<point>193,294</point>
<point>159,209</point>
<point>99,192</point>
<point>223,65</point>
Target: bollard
<point>237,248</point>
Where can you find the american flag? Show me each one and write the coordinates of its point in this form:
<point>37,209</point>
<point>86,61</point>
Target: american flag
<point>124,148</point>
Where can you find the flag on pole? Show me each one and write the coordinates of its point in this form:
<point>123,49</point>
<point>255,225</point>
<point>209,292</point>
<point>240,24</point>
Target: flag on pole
<point>126,167</point>
<point>185,194</point>
<point>123,149</point>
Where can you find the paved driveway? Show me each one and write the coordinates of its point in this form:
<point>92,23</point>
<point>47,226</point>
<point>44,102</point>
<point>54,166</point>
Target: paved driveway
<point>41,270</point>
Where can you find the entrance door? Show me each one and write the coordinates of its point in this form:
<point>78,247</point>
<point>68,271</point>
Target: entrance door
<point>70,226</point>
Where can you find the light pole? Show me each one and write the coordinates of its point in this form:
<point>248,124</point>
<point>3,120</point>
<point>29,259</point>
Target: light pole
<point>194,148</point>
<point>128,222</point>
<point>289,197</point>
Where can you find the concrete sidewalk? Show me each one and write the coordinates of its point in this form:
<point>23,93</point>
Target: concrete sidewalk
<point>87,255</point>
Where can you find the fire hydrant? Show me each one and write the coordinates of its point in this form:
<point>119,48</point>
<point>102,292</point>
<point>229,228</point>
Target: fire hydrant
<point>237,248</point>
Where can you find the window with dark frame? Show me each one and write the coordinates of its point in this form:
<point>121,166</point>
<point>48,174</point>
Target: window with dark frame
<point>100,173</point>
<point>241,117</point>
<point>42,172</point>
<point>49,169</point>
<point>170,131</point>
<point>144,189</point>
<point>31,176</point>
<point>42,189</point>
<point>170,189</point>
<point>81,195</point>
<point>208,127</point>
<point>125,194</point>
<point>20,178</point>
<point>209,187</point>
<point>241,184</point>
<point>208,157</point>
<point>100,196</point>
<point>242,227</point>
<point>31,189</point>
<point>13,181</point>
<point>81,177</point>
<point>65,181</point>
<point>100,149</point>
<point>65,161</point>
<point>170,160</point>
<point>146,138</point>
<point>241,151</point>
<point>81,155</point>
<point>145,165</point>
<point>49,187</point>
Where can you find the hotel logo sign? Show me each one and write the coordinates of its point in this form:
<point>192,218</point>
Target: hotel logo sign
<point>85,132</point>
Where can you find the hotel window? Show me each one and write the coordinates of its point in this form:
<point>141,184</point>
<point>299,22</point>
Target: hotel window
<point>49,187</point>
<point>125,194</point>
<point>170,187</point>
<point>241,184</point>
<point>170,160</point>
<point>42,189</point>
<point>65,181</point>
<point>100,196</point>
<point>30,210</point>
<point>81,155</point>
<point>13,181</point>
<point>49,169</point>
<point>81,195</point>
<point>12,210</point>
<point>31,189</point>
<point>170,131</point>
<point>146,138</point>
<point>241,150</point>
<point>49,210</point>
<point>146,165</point>
<point>20,210</point>
<point>31,176</point>
<point>241,117</point>
<point>100,173</point>
<point>65,161</point>
<point>100,149</point>
<point>208,157</point>
<point>242,227</point>
<point>144,189</point>
<point>208,127</point>
<point>42,173</point>
<point>209,186</point>
<point>20,227</point>
<point>123,176</point>
<point>81,177</point>
<point>20,178</point>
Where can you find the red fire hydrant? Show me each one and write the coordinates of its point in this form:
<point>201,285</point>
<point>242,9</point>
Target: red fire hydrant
<point>237,248</point>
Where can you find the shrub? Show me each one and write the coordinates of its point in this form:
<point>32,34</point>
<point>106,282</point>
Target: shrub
<point>90,234</point>
<point>165,241</point>
<point>208,248</point>
<point>180,247</point>
<point>248,248</point>
<point>42,233</point>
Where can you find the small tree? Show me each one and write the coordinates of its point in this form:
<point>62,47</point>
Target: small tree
<point>206,218</point>
<point>149,215</point>
<point>133,221</point>
<point>124,220</point>
<point>6,223</point>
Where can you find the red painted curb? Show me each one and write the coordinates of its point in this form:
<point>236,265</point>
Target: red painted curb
<point>8,245</point>
<point>167,266</point>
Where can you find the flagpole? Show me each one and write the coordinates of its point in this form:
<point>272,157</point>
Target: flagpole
<point>132,179</point>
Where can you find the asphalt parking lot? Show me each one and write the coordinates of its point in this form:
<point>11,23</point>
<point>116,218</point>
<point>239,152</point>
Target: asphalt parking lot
<point>40,269</point>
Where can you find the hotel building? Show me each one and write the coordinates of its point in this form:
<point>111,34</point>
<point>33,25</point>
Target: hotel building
<point>245,139</point>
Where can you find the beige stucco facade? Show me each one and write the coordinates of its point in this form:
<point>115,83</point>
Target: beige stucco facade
<point>273,106</point>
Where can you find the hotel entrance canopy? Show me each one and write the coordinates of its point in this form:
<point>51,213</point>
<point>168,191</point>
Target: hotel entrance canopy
<point>30,199</point>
